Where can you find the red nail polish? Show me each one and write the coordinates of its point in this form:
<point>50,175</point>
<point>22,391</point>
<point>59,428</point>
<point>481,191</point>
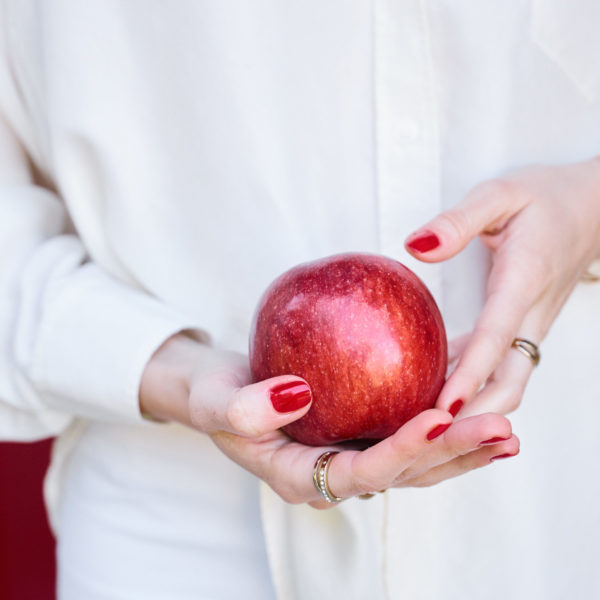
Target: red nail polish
<point>456,406</point>
<point>424,242</point>
<point>437,431</point>
<point>290,396</point>
<point>494,440</point>
<point>501,456</point>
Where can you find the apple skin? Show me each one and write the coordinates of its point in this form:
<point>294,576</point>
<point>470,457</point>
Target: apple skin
<point>367,336</point>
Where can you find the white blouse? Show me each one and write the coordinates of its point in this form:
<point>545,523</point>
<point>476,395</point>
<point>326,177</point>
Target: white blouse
<point>161,162</point>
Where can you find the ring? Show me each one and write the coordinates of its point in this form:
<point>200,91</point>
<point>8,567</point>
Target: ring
<point>320,477</point>
<point>529,349</point>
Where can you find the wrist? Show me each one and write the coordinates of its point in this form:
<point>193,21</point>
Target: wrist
<point>165,386</point>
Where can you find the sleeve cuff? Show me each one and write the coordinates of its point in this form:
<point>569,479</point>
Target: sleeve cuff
<point>95,339</point>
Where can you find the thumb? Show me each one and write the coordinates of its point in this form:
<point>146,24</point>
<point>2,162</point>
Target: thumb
<point>485,209</point>
<point>252,410</point>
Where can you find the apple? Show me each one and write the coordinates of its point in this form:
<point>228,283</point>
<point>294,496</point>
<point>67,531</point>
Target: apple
<point>366,335</point>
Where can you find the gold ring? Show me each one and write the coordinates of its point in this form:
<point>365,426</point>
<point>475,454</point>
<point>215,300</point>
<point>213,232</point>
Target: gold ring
<point>529,349</point>
<point>320,471</point>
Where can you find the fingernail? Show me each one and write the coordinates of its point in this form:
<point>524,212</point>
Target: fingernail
<point>456,406</point>
<point>437,431</point>
<point>494,440</point>
<point>290,396</point>
<point>501,456</point>
<point>424,242</point>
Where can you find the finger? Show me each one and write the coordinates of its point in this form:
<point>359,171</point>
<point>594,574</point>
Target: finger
<point>463,464</point>
<point>455,349</point>
<point>252,410</point>
<point>353,473</point>
<point>286,466</point>
<point>486,208</point>
<point>505,387</point>
<point>499,323</point>
<point>462,438</point>
<point>504,392</point>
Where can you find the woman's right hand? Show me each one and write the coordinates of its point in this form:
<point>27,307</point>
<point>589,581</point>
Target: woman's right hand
<point>211,391</point>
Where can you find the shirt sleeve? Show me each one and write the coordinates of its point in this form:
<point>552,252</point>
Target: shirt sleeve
<point>74,341</point>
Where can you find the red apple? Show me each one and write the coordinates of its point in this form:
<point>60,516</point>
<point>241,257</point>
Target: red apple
<point>367,336</point>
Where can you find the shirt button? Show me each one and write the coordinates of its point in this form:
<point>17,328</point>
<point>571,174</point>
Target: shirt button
<point>408,130</point>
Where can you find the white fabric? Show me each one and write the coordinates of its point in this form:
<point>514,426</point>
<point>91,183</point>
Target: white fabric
<point>170,528</point>
<point>188,152</point>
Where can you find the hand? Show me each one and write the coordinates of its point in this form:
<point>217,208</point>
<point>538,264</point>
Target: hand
<point>211,391</point>
<point>542,225</point>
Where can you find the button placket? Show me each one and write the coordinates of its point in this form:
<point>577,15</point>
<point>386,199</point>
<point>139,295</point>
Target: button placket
<point>407,146</point>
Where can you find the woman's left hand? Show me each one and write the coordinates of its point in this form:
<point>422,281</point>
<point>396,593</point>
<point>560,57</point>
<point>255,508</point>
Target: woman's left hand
<point>542,225</point>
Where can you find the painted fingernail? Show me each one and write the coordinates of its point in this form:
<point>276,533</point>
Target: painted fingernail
<point>437,431</point>
<point>507,455</point>
<point>456,406</point>
<point>424,242</point>
<point>494,440</point>
<point>290,396</point>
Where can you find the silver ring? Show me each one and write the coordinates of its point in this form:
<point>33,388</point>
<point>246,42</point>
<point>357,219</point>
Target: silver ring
<point>320,471</point>
<point>529,349</point>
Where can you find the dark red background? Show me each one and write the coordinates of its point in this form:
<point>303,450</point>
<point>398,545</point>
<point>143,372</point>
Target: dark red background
<point>27,566</point>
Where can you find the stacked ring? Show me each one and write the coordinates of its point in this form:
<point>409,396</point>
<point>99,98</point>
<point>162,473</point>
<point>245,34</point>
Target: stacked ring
<point>320,471</point>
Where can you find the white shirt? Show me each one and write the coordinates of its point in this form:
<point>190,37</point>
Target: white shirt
<point>189,152</point>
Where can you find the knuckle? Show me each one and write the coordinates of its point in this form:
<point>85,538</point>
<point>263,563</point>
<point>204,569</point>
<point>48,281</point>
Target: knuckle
<point>238,419</point>
<point>502,196</point>
<point>456,221</point>
<point>408,448</point>
<point>364,483</point>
